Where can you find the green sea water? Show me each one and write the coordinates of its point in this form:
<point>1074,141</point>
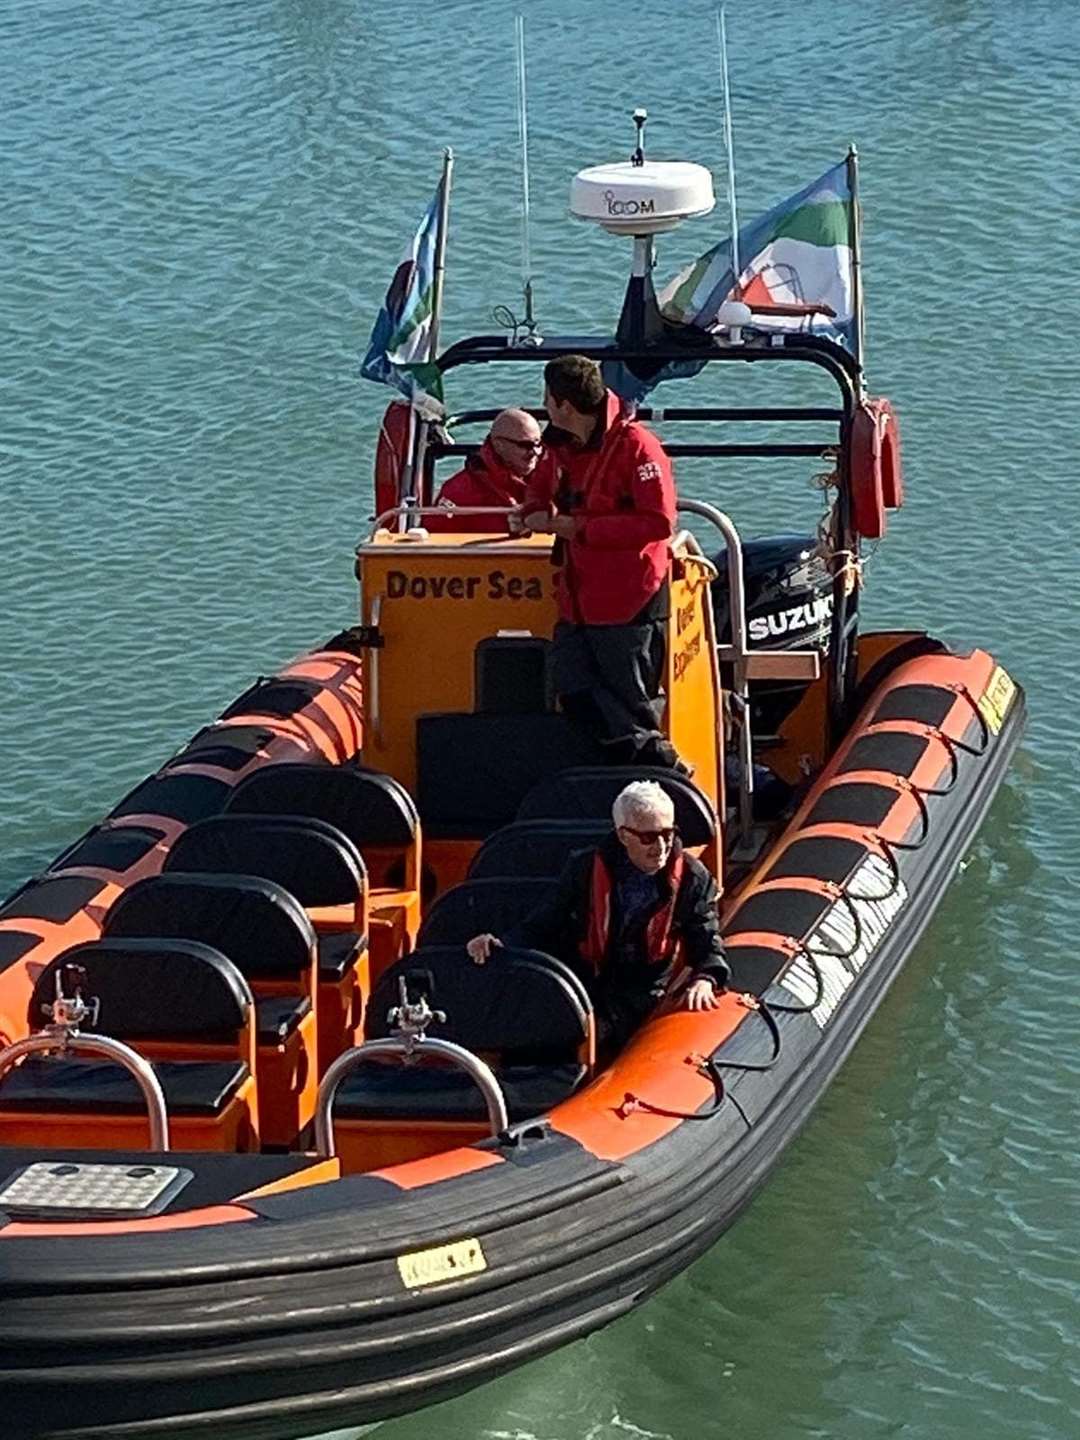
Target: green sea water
<point>201,207</point>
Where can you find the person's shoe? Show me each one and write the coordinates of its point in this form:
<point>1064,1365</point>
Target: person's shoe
<point>664,755</point>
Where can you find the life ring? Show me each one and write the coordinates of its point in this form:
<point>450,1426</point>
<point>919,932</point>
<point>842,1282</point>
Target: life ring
<point>391,455</point>
<point>892,477</point>
<point>876,480</point>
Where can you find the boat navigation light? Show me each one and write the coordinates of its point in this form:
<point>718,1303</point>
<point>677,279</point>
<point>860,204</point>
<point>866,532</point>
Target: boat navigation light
<point>732,316</point>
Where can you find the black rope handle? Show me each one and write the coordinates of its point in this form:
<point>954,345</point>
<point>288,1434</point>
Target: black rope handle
<point>924,812</point>
<point>842,895</point>
<point>954,761</point>
<point>966,693</point>
<point>811,960</point>
<point>758,1007</point>
<point>707,1067</point>
<point>894,866</point>
<point>711,1066</point>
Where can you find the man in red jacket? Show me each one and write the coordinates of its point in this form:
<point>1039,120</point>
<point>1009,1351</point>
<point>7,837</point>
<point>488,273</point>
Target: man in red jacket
<point>495,475</point>
<point>604,488</point>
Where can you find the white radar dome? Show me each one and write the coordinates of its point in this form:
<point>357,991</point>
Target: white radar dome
<point>630,199</point>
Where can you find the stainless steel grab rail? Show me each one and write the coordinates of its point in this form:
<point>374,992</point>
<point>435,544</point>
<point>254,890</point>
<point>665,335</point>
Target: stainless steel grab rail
<point>404,511</point>
<point>62,1041</point>
<point>409,1048</point>
<point>739,652</point>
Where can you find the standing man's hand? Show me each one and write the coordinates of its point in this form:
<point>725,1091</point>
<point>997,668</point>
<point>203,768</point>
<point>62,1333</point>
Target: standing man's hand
<point>540,522</point>
<point>565,526</point>
<point>480,947</point>
<point>703,995</point>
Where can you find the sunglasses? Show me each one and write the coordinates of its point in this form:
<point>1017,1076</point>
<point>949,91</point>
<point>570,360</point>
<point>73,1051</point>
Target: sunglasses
<point>520,444</point>
<point>650,837</point>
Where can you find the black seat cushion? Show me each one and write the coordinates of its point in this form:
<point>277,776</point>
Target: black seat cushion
<point>520,1002</point>
<point>309,858</point>
<point>367,806</point>
<point>256,924</point>
<point>534,847</point>
<point>152,989</point>
<point>195,1087</point>
<point>475,907</point>
<point>279,1016</point>
<point>339,953</point>
<point>433,1092</point>
<point>589,792</point>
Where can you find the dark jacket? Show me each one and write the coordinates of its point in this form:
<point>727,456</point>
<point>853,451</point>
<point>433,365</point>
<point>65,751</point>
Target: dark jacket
<point>625,991</point>
<point>621,488</point>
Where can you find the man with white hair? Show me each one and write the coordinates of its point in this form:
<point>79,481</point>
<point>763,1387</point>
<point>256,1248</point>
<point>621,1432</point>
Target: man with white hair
<point>622,912</point>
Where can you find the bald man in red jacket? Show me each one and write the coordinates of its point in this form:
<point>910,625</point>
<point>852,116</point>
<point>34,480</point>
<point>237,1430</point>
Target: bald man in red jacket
<point>604,488</point>
<point>495,475</point>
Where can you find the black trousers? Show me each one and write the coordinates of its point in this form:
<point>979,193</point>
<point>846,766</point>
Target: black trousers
<point>608,678</point>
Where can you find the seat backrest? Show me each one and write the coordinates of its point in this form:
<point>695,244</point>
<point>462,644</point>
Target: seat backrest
<point>259,926</point>
<point>309,858</point>
<point>153,989</point>
<point>534,847</point>
<point>589,793</point>
<point>478,906</point>
<point>365,805</point>
<point>520,1001</point>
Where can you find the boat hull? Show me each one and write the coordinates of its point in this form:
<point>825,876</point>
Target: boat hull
<point>297,1318</point>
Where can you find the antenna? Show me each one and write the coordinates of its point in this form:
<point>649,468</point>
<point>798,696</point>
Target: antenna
<point>721,35</point>
<point>523,136</point>
<point>638,157</point>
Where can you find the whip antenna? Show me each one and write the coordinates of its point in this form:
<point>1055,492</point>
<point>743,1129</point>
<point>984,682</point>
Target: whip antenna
<point>721,35</point>
<point>523,136</point>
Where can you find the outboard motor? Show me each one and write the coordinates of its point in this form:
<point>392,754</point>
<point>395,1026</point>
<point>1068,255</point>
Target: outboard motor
<point>788,607</point>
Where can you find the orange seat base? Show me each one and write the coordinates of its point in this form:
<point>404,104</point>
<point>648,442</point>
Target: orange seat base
<point>231,1131</point>
<point>364,1145</point>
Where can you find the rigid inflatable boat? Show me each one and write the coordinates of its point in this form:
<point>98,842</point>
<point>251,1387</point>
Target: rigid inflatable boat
<point>275,1159</point>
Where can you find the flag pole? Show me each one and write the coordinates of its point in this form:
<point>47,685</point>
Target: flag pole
<point>855,236</point>
<point>418,426</point>
<point>523,137</point>
<point>440,254</point>
<point>729,139</point>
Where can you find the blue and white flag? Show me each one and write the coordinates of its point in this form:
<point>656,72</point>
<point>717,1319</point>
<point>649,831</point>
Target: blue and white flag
<point>399,350</point>
<point>795,267</point>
